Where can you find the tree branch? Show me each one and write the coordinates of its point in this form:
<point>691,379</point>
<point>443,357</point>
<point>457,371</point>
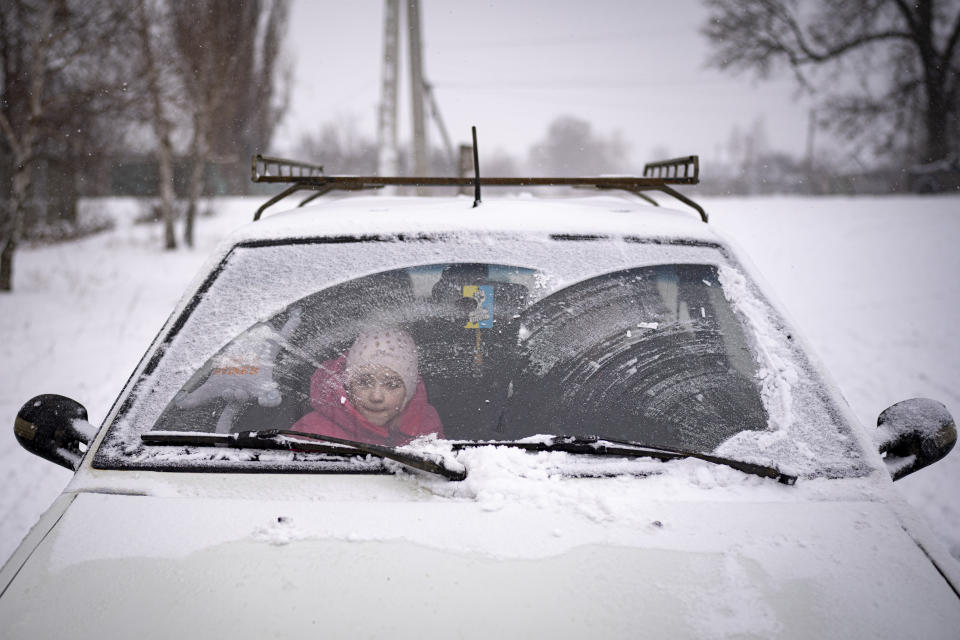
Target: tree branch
<point>842,48</point>
<point>908,16</point>
<point>952,42</point>
<point>752,33</point>
<point>838,49</point>
<point>10,135</point>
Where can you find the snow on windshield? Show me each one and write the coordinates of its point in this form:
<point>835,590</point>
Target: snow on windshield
<point>489,337</point>
<point>797,430</point>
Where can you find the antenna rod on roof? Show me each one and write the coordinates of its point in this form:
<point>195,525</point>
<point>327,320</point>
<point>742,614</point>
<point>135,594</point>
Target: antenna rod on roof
<point>476,170</point>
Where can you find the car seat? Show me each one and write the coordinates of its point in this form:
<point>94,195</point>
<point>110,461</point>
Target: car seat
<point>467,370</point>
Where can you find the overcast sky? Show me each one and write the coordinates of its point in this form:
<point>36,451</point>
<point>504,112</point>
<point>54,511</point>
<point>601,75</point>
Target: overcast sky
<point>633,68</point>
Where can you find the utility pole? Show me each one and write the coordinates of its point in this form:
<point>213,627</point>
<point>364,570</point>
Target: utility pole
<point>421,95</point>
<point>420,167</point>
<point>387,122</point>
<point>465,166</point>
<point>435,111</point>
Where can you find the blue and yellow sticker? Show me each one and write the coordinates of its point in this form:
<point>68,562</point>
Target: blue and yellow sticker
<point>482,316</point>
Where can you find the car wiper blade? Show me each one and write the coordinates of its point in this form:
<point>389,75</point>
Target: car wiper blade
<point>598,446</point>
<point>297,440</point>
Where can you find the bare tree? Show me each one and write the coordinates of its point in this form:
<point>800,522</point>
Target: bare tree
<point>209,75</point>
<point>162,91</point>
<point>896,60</point>
<point>205,36</point>
<point>55,70</point>
<point>26,58</point>
<point>571,149</point>
<point>259,86</point>
<point>226,53</point>
<point>340,147</point>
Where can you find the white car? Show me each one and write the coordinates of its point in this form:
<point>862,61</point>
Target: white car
<point>535,417</point>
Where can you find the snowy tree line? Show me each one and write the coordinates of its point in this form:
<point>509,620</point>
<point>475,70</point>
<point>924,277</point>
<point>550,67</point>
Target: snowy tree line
<point>571,146</point>
<point>171,98</point>
<point>745,164</point>
<point>83,83</point>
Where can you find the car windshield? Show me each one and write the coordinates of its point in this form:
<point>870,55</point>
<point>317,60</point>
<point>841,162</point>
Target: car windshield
<point>652,354</point>
<point>661,354</point>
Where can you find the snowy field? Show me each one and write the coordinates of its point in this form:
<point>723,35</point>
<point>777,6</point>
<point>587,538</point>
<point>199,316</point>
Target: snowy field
<point>869,281</point>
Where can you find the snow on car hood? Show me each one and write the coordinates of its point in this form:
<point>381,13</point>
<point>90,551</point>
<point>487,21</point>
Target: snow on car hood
<point>779,564</point>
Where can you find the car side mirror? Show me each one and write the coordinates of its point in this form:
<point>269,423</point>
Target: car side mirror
<point>55,428</point>
<point>913,434</point>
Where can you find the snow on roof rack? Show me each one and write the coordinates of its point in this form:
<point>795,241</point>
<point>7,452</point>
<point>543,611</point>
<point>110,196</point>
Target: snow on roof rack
<point>657,176</point>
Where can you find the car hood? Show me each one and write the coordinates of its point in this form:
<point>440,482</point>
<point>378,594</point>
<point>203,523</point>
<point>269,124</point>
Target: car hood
<point>172,566</point>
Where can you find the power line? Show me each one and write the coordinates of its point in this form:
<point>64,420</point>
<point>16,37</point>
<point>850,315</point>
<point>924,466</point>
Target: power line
<point>676,105</point>
<point>637,37</point>
<point>540,86</point>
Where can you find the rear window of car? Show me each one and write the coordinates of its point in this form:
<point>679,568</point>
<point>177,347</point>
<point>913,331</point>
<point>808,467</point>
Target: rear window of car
<point>479,338</point>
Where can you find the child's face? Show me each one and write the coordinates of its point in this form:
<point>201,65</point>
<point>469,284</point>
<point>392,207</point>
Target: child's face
<point>378,393</point>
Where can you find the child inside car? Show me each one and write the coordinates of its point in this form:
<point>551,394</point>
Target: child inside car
<point>372,393</point>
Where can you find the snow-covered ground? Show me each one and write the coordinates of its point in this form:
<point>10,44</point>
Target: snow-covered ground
<point>869,281</point>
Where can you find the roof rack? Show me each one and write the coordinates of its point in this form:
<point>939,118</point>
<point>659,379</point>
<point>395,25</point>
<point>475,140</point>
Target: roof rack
<point>657,176</point>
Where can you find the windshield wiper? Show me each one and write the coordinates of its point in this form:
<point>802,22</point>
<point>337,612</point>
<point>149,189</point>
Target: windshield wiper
<point>437,464</point>
<point>598,446</point>
<point>295,440</point>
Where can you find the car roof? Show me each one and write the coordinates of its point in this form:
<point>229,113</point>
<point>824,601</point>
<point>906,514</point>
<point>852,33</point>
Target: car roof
<point>389,215</point>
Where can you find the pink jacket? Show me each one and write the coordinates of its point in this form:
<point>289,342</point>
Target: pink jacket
<point>333,415</point>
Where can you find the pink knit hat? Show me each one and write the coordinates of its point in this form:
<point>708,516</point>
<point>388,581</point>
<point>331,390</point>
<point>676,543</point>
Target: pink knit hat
<point>391,348</point>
